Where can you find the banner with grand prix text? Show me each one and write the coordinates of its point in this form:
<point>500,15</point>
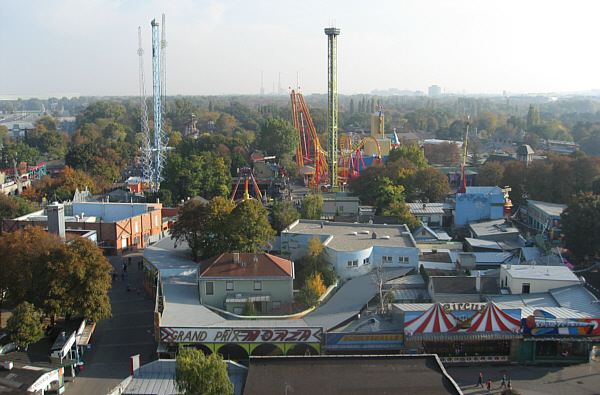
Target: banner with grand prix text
<point>240,335</point>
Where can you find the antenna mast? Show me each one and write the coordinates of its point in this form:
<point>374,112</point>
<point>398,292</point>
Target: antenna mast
<point>146,152</point>
<point>159,148</point>
<point>463,187</point>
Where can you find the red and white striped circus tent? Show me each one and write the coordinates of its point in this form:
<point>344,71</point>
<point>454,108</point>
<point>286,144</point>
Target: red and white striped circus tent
<point>432,320</point>
<point>493,319</point>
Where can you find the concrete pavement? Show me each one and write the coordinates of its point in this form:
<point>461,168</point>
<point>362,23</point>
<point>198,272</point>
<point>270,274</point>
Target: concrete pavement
<point>127,333</point>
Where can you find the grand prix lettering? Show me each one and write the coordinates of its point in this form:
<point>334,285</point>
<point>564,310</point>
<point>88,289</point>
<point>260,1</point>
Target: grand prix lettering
<point>188,335</point>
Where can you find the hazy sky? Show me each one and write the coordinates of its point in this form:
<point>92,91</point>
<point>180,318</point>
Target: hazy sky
<point>89,47</point>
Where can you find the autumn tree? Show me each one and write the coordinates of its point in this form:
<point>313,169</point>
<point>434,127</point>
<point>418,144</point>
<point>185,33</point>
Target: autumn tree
<point>444,153</point>
<point>490,174</point>
<point>41,269</point>
<point>8,207</point>
<point>431,184</point>
<point>196,373</point>
<point>23,325</point>
<point>365,185</point>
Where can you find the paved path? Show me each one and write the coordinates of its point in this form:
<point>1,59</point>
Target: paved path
<point>127,333</point>
<point>581,379</point>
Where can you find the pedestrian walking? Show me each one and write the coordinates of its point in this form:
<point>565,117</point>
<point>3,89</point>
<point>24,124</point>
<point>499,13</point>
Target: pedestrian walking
<point>503,383</point>
<point>480,381</point>
<point>489,385</point>
<point>509,384</point>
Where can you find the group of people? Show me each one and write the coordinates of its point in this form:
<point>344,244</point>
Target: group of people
<point>504,383</point>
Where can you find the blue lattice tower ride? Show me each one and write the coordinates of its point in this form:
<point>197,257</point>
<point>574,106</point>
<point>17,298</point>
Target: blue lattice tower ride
<point>332,105</point>
<point>159,141</point>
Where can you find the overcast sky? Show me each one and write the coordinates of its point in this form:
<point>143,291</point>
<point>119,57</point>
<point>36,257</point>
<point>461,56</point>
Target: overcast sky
<point>89,47</point>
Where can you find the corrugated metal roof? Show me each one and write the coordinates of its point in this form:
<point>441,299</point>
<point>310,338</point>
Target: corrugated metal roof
<point>552,209</point>
<point>485,257</point>
<point>426,208</point>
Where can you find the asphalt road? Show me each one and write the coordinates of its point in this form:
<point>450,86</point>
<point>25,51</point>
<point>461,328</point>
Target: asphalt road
<point>127,333</point>
<point>581,379</point>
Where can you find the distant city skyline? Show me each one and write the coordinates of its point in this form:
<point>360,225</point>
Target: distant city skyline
<point>227,47</point>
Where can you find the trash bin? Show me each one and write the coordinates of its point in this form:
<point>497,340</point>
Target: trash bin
<point>80,366</point>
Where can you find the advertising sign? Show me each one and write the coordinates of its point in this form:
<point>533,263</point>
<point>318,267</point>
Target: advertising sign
<point>239,335</point>
<point>379,338</point>
<point>544,323</point>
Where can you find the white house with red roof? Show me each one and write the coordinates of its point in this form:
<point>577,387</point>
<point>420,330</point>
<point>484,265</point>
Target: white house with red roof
<point>227,281</point>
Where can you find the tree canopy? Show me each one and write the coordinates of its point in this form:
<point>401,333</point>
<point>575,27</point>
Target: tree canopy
<point>312,206</point>
<point>278,137</point>
<point>56,278</point>
<point>196,373</point>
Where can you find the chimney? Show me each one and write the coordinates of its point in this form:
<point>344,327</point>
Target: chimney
<point>424,206</point>
<point>56,219</point>
<point>236,257</point>
<point>374,235</point>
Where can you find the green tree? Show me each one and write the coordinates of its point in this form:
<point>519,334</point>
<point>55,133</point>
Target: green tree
<point>278,137</point>
<point>307,296</point>
<point>283,214</point>
<point>248,227</point>
<point>580,225</point>
<point>48,122</point>
<point>23,325</point>
<point>312,206</point>
<point>365,185</point>
<point>196,373</point>
<point>388,193</point>
<point>249,308</point>
<point>8,207</point>
<point>202,226</point>
<point>411,152</point>
<point>533,116</point>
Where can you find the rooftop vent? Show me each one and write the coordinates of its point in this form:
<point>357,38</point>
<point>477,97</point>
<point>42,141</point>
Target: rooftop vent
<point>374,235</point>
<point>364,232</point>
<point>8,365</point>
<point>385,237</point>
<point>353,233</point>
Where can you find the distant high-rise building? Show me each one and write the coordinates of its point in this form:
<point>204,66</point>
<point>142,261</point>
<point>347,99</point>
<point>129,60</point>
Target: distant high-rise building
<point>262,83</point>
<point>434,90</point>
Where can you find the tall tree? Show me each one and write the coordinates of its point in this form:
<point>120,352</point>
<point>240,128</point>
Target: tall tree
<point>196,373</point>
<point>248,227</point>
<point>580,225</point>
<point>432,185</point>
<point>411,152</point>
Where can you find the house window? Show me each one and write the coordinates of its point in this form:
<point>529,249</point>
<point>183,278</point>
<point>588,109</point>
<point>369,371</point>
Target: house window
<point>386,258</point>
<point>353,263</point>
<point>525,288</point>
<point>258,285</point>
<point>366,261</point>
<point>210,288</point>
<point>238,310</point>
<point>229,285</point>
<point>402,259</point>
<point>341,208</point>
<point>276,305</point>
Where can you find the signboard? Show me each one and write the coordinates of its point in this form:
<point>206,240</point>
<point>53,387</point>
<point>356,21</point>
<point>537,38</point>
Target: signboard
<point>240,335</point>
<point>366,339</point>
<point>543,323</point>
